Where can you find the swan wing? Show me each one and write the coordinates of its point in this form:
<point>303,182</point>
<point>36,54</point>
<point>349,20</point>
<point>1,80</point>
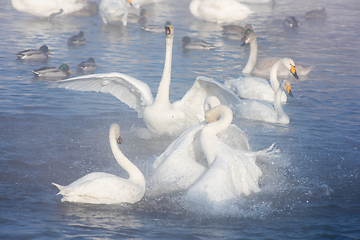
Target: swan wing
<point>135,93</point>
<point>193,100</point>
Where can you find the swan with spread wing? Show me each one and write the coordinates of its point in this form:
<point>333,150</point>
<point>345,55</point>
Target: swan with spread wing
<point>160,116</point>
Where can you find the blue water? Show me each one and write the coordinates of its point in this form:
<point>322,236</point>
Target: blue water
<point>310,191</point>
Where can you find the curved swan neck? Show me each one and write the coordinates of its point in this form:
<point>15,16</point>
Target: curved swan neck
<point>209,140</point>
<point>274,82</point>
<point>194,5</point>
<point>164,86</point>
<point>135,175</point>
<point>282,116</point>
<point>252,57</point>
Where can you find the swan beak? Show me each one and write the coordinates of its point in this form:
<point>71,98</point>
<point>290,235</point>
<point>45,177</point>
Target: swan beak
<point>119,140</point>
<point>130,2</point>
<point>168,30</point>
<point>293,71</point>
<point>288,90</point>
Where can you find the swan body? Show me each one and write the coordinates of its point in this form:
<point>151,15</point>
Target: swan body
<point>231,172</point>
<point>87,67</point>
<point>138,3</point>
<point>112,11</point>
<point>53,73</point>
<point>263,66</point>
<point>182,163</point>
<point>291,22</point>
<point>44,8</point>
<point>188,44</point>
<point>219,11</point>
<point>105,188</point>
<point>264,111</point>
<point>259,88</point>
<point>90,10</point>
<point>34,55</point>
<point>78,39</point>
<point>160,116</point>
<point>235,32</point>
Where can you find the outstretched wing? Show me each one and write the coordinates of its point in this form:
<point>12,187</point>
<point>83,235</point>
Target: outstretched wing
<point>135,93</point>
<point>193,100</point>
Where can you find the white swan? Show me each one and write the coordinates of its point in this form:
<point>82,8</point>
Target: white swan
<point>231,173</point>
<point>181,164</point>
<point>263,66</point>
<point>44,8</point>
<point>259,88</point>
<point>105,188</point>
<point>114,11</point>
<point>219,11</point>
<point>160,116</point>
<point>264,111</point>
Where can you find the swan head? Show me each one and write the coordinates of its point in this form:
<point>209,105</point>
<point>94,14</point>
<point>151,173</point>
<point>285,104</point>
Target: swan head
<point>290,64</point>
<point>211,102</point>
<point>286,86</point>
<point>250,36</point>
<point>115,129</point>
<point>169,30</point>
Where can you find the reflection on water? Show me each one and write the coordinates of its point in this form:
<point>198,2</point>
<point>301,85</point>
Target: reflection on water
<point>55,135</point>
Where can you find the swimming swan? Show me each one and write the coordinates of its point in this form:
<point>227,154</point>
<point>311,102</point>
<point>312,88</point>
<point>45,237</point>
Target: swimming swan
<point>45,8</point>
<point>105,188</point>
<point>182,163</point>
<point>259,88</point>
<point>219,11</point>
<point>160,116</point>
<point>263,66</point>
<point>264,111</point>
<point>114,11</point>
<point>231,172</point>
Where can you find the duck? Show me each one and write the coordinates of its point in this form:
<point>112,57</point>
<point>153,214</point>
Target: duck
<point>260,88</point>
<point>87,67</point>
<point>316,14</point>
<point>188,44</point>
<point>219,11</point>
<point>45,8</point>
<point>105,188</point>
<point>264,111</point>
<point>34,55</point>
<point>155,28</point>
<point>77,39</point>
<point>182,163</point>
<point>112,11</point>
<point>53,73</point>
<point>159,115</point>
<point>291,22</point>
<point>231,172</point>
<point>140,19</point>
<point>263,66</point>
<point>235,32</point>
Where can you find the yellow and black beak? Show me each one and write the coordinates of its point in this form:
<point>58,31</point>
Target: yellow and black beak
<point>130,2</point>
<point>168,30</point>
<point>119,140</point>
<point>293,71</point>
<point>288,90</point>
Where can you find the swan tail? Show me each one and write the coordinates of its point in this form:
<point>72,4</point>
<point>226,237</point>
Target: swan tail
<point>58,186</point>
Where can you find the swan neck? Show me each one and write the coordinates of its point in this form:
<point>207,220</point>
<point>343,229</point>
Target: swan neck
<point>164,86</point>
<point>208,136</point>
<point>282,116</point>
<point>252,57</point>
<point>135,175</point>
<point>274,82</point>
